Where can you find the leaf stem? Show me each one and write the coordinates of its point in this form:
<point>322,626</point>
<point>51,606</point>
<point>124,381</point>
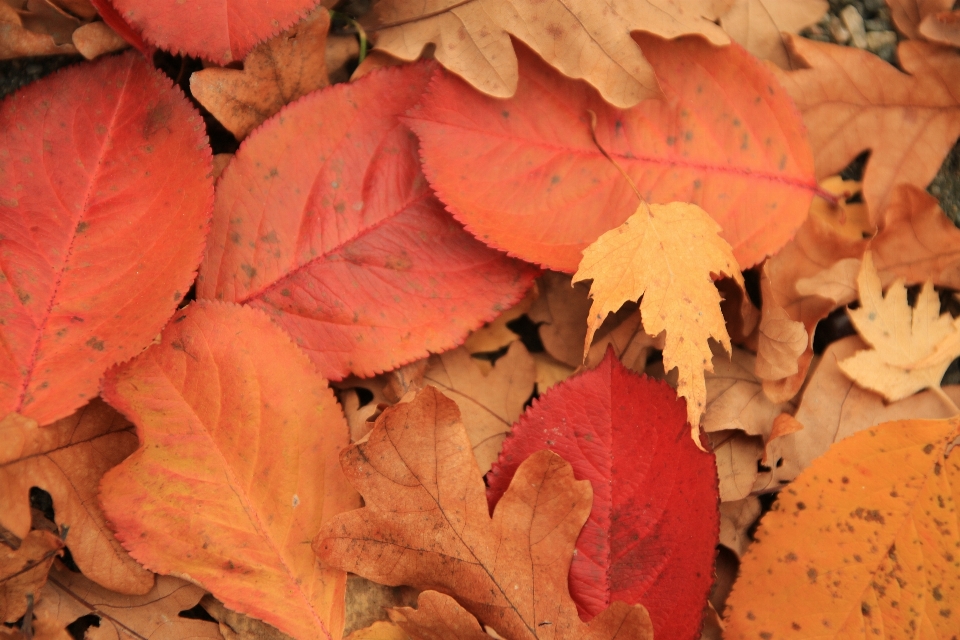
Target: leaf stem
<point>593,134</point>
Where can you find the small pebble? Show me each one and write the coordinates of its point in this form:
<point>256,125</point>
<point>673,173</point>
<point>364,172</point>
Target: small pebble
<point>872,6</point>
<point>876,40</point>
<point>854,23</point>
<point>840,35</point>
<point>874,25</point>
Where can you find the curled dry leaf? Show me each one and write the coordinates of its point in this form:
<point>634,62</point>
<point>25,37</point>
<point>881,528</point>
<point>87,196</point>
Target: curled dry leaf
<point>17,40</point>
<point>96,39</point>
<point>23,572</point>
<point>112,18</point>
<point>438,617</point>
<point>275,73</point>
<point>907,15</point>
<point>343,243</point>
<point>740,155</point>
<point>736,518</point>
<point>416,472</point>
<point>380,630</point>
<point>217,30</point>
<point>236,469</point>
<point>561,314</point>
<point>853,101</point>
<point>68,597</point>
<point>124,201</point>
<point>943,28</point>
<point>757,24</point>
<point>629,342</point>
<point>862,543</point>
<point>67,459</point>
<point>652,530</point>
<point>667,254</point>
<point>587,39</point>
<point>911,347</point>
<point>496,335</point>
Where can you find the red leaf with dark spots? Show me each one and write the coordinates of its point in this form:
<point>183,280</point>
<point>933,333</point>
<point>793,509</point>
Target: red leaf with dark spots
<point>324,220</point>
<point>651,534</point>
<point>105,197</point>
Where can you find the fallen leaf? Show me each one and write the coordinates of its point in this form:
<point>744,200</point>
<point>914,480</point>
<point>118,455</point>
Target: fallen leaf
<point>369,602</point>
<point>561,316</point>
<point>653,527</point>
<point>17,41</point>
<point>496,335</point>
<point>438,617</point>
<point>23,572</point>
<point>757,24</point>
<point>902,338</point>
<point>908,14</point>
<point>124,202</point>
<point>343,244</point>
<point>68,597</point>
<point>738,457</point>
<point>524,174</point>
<point>833,407</point>
<point>736,518</point>
<point>236,626</point>
<point>380,630</point>
<point>67,459</point>
<point>220,31</point>
<point>550,372</point>
<point>81,9</point>
<point>852,101</point>
<point>943,28</point>
<point>860,544</point>
<point>416,473</point>
<point>42,628</point>
<point>489,403</point>
<point>666,254</point>
<point>630,344</point>
<point>581,38</point>
<point>95,39</point>
<point>115,21</point>
<point>286,67</point>
<point>44,16</point>
<point>235,427</point>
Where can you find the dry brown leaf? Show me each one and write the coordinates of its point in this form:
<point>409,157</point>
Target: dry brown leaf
<point>943,28</point>
<point>629,343</point>
<point>908,14</point>
<point>375,59</point>
<point>853,101</point>
<point>438,617</point>
<point>735,519</point>
<point>368,602</point>
<point>495,335</point>
<point>274,74</point>
<point>417,474</point>
<point>561,312</point>
<point>94,39</point>
<point>67,460</point>
<point>587,39</point>
<point>42,628</point>
<point>23,572</point>
<point>911,347</point>
<point>489,403</point>
<point>380,630</point>
<point>17,40</point>
<point>339,52</point>
<point>757,24</point>
<point>550,371</point>
<point>833,407</point>
<point>43,16</point>
<point>236,626</point>
<point>155,615</point>
<point>668,254</point>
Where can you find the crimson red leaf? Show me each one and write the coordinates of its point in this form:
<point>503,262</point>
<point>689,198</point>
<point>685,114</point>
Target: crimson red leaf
<point>105,197</point>
<point>219,30</point>
<point>324,220</point>
<point>113,20</point>
<point>524,174</point>
<point>651,534</point>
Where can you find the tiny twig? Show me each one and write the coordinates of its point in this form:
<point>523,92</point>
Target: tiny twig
<point>361,33</point>
<point>593,134</point>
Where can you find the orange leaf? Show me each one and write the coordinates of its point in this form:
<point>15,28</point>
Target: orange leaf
<point>237,466</point>
<point>417,474</point>
<point>23,571</point>
<point>275,73</point>
<point>909,14</point>
<point>862,544</point>
<point>666,254</point>
<point>853,101</point>
<point>67,459</point>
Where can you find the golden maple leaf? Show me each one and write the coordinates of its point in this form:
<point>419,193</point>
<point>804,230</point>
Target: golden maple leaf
<point>667,254</point>
<point>911,347</point>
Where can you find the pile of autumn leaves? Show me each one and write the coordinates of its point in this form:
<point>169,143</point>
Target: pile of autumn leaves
<point>363,226</point>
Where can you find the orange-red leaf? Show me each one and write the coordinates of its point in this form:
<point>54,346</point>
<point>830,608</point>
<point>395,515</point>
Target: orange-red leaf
<point>237,467</point>
<point>218,30</point>
<point>324,220</point>
<point>524,174</point>
<point>105,196</point>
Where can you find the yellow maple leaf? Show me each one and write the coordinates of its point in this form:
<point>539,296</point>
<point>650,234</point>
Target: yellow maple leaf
<point>667,254</point>
<point>911,347</point>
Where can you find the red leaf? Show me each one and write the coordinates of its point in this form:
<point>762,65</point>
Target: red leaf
<point>651,535</point>
<point>105,197</point>
<point>525,176</point>
<point>324,220</point>
<point>113,20</point>
<point>219,30</point>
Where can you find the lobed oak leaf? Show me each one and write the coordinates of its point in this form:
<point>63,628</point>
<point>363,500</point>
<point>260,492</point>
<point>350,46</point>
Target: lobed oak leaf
<point>286,67</point>
<point>105,198</point>
<point>437,617</point>
<point>337,236</point>
<point>220,31</point>
<point>652,531</point>
<point>558,193</point>
<point>908,15</point>
<point>236,469</point>
<point>862,543</point>
<point>23,572</point>
<point>68,597</point>
<point>833,407</point>
<point>581,38</point>
<point>853,101</point>
<point>67,459</point>
<point>943,28</point>
<point>911,348</point>
<point>667,254</point>
<point>757,24</point>
<point>417,473</point>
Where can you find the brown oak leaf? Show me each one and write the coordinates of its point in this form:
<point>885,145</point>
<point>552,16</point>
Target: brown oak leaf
<point>23,571</point>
